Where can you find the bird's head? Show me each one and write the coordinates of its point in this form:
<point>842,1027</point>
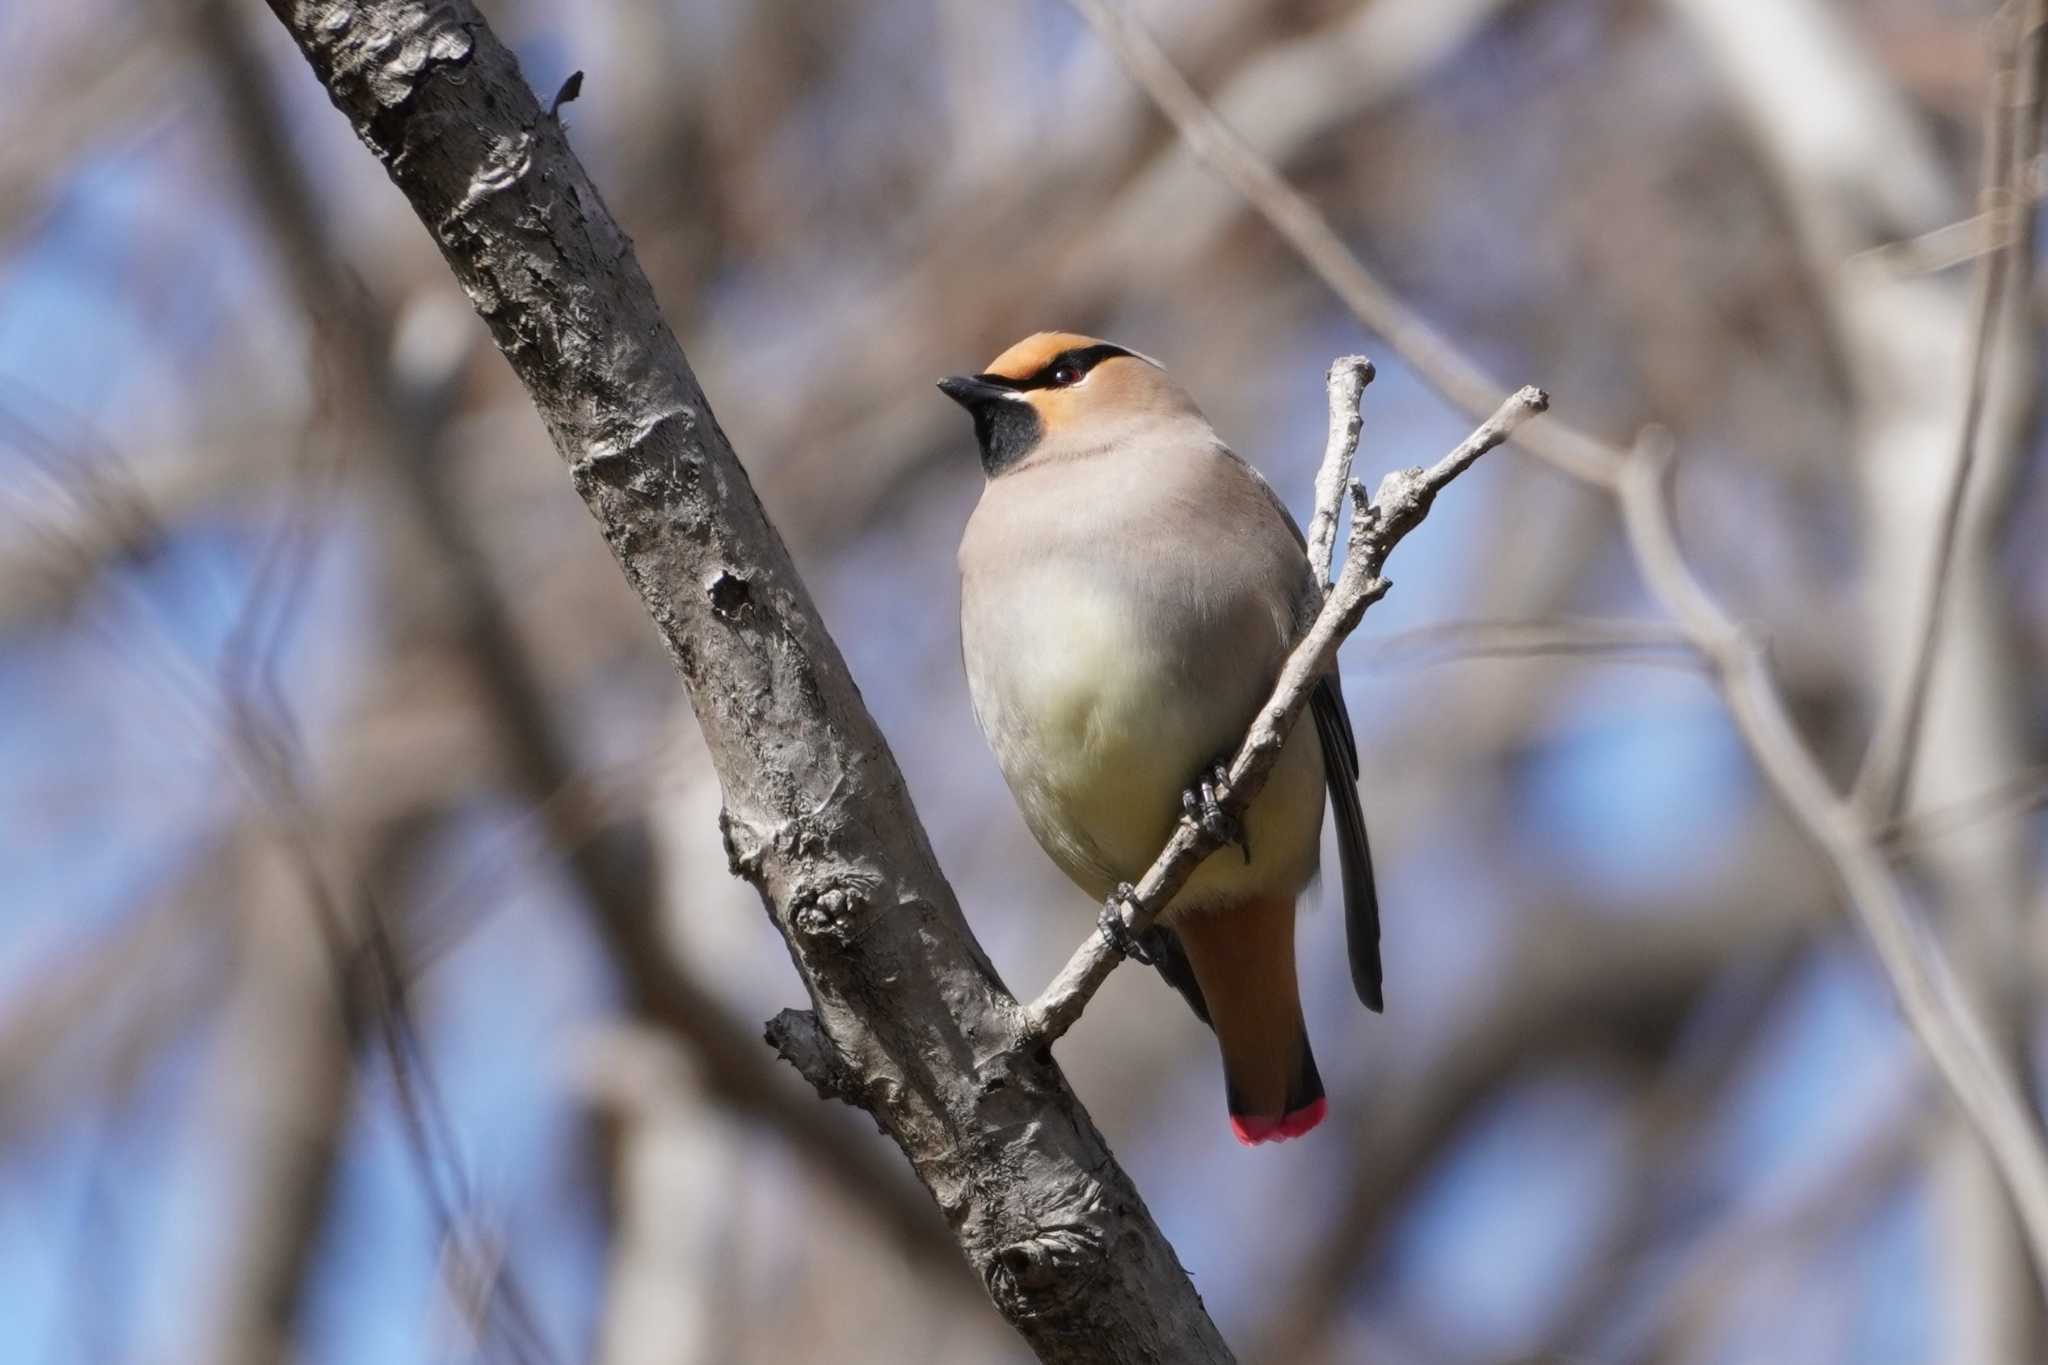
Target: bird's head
<point>1057,395</point>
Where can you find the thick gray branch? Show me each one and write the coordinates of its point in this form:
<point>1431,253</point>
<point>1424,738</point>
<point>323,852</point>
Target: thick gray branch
<point>816,817</point>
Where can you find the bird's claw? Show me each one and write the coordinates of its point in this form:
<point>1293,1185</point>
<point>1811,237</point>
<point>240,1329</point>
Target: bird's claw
<point>1116,929</point>
<point>1200,805</point>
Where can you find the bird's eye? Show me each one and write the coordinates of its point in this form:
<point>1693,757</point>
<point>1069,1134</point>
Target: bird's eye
<point>1066,373</point>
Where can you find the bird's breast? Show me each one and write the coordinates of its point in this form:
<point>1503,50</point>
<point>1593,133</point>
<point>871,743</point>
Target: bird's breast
<point>1077,679</point>
<point>1103,692</point>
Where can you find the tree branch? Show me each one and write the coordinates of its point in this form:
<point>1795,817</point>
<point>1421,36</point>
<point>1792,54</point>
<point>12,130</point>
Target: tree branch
<point>2012,140</point>
<point>1948,1022</point>
<point>1346,384</point>
<point>817,818</point>
<point>1402,502</point>
<point>1853,161</point>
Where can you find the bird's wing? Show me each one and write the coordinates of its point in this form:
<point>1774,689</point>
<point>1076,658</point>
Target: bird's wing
<point>1340,768</point>
<point>1170,959</point>
<point>1354,855</point>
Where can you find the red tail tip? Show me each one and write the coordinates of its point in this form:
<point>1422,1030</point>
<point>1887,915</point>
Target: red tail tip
<point>1252,1129</point>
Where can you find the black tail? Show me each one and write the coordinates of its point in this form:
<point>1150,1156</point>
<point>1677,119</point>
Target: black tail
<point>1303,1090</point>
<point>1354,855</point>
<point>1170,960</point>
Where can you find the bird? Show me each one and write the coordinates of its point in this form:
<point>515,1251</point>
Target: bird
<point>1129,591</point>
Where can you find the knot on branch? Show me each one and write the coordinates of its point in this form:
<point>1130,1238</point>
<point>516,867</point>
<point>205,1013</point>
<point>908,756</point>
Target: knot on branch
<point>1349,375</point>
<point>730,593</point>
<point>568,91</point>
<point>826,910</point>
<point>1365,513</point>
<point>998,1072</point>
<point>646,457</point>
<point>1403,500</point>
<point>799,1039</point>
<point>388,51</point>
<point>1039,1275</point>
<point>508,162</point>
<point>743,847</point>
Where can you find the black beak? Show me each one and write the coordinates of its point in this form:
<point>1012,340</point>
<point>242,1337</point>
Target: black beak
<point>971,391</point>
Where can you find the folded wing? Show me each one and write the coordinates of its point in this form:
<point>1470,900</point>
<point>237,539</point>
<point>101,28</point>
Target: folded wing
<point>1354,855</point>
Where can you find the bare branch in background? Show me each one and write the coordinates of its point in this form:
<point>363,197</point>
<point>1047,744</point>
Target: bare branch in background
<point>105,519</point>
<point>2024,792</point>
<point>2012,141</point>
<point>1853,162</point>
<point>1782,1229</point>
<point>288,1083</point>
<point>77,1035</point>
<point>1695,1080</point>
<point>99,97</point>
<point>1950,1025</point>
<point>1633,642</point>
<point>676,1208</point>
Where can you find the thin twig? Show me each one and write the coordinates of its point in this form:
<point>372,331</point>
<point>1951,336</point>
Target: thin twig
<point>1349,375</point>
<point>2018,794</point>
<point>2011,136</point>
<point>1633,642</point>
<point>1402,502</point>
<point>1936,250</point>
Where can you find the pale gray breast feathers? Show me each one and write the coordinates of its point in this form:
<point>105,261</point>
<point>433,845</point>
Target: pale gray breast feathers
<point>1122,617</point>
<point>1185,548</point>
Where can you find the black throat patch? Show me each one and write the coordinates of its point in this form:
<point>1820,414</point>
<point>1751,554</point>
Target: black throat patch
<point>1007,430</point>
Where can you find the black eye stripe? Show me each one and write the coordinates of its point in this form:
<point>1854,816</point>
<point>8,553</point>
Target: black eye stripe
<point>1082,358</point>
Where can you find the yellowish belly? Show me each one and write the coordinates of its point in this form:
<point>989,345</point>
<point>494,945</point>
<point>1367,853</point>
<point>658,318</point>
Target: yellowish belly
<point>1099,728</point>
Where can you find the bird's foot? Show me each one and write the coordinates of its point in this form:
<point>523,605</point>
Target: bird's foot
<point>1200,805</point>
<point>1115,924</point>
